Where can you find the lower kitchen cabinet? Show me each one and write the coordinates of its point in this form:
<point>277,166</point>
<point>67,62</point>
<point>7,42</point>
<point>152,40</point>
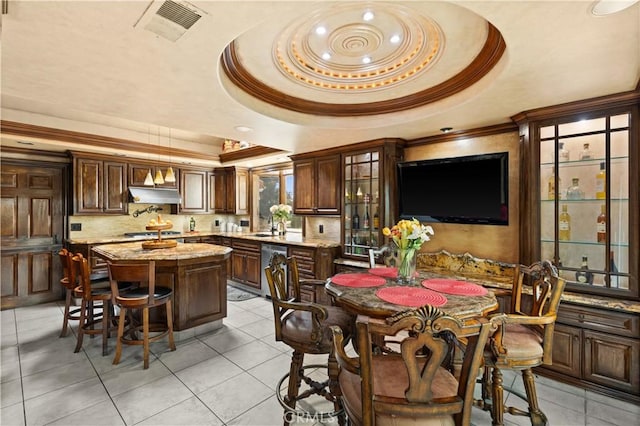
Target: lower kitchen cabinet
<point>245,262</point>
<point>313,263</point>
<point>598,349</point>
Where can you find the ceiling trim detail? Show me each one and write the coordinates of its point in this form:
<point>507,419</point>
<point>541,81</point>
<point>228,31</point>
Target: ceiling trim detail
<point>246,153</point>
<point>488,57</point>
<point>49,133</point>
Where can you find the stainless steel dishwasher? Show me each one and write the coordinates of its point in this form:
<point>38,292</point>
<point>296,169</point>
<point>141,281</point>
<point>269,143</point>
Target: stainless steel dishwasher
<point>267,251</point>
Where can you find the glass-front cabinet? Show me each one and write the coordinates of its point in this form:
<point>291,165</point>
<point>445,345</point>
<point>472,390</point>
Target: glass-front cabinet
<point>588,216</point>
<point>369,195</point>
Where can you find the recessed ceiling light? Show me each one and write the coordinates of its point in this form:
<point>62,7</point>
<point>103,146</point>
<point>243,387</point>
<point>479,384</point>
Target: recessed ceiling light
<point>320,30</point>
<point>609,7</point>
<point>446,129</point>
<point>326,56</point>
<point>368,16</point>
<point>395,38</point>
<point>243,129</point>
<point>366,60</point>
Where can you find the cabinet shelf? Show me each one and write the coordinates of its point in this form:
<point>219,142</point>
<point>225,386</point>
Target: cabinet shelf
<point>592,161</point>
<point>585,243</point>
<point>584,200</point>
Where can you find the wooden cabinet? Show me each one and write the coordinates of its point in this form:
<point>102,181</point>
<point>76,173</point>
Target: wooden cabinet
<point>194,188</point>
<point>313,263</point>
<point>230,190</point>
<point>100,186</point>
<point>138,173</point>
<point>317,183</point>
<point>598,347</point>
<point>245,260</point>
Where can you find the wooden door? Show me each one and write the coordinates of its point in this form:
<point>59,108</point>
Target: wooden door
<point>612,361</point>
<point>193,187</point>
<point>32,230</point>
<point>252,269</point>
<point>115,187</point>
<point>567,349</point>
<point>241,192</point>
<point>220,189</point>
<point>89,185</point>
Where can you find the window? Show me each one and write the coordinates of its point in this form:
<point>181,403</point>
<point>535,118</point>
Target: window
<point>274,187</point>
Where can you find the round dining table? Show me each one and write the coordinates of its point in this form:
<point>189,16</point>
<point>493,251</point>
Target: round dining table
<point>369,293</point>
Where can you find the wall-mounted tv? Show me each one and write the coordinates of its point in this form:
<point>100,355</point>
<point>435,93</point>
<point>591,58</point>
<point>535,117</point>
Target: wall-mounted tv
<point>472,189</point>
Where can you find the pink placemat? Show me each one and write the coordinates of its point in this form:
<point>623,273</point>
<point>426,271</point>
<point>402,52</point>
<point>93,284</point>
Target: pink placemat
<point>358,280</point>
<point>411,296</point>
<point>449,286</point>
<point>387,271</point>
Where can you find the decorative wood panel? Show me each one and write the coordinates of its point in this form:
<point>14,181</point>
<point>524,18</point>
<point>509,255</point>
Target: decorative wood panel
<point>9,272</point>
<point>8,180</point>
<point>40,222</point>
<point>40,272</point>
<point>9,216</point>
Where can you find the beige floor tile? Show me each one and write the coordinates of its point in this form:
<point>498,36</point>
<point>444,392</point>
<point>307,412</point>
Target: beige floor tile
<point>611,413</point>
<point>186,355</point>
<point>227,340</point>
<point>36,362</point>
<point>10,393</point>
<point>607,400</point>
<point>9,364</point>
<point>268,412</point>
<point>145,401</point>
<point>242,318</point>
<point>270,372</point>
<point>101,414</point>
<point>207,374</point>
<point>132,376</point>
<point>57,378</point>
<point>12,415</point>
<point>189,412</point>
<point>251,354</point>
<point>261,328</point>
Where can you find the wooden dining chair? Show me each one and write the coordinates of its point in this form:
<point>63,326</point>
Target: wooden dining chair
<point>411,386</point>
<point>69,282</point>
<point>92,297</point>
<point>524,341</point>
<point>303,326</point>
<point>143,296</point>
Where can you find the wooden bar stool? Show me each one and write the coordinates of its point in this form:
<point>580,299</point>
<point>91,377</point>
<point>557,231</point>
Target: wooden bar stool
<point>69,282</point>
<point>144,297</point>
<point>89,318</point>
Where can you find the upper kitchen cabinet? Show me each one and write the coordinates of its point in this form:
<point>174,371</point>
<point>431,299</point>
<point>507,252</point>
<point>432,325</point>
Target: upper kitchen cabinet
<point>584,201</point>
<point>370,195</point>
<point>138,172</point>
<point>317,183</point>
<point>230,190</point>
<point>100,186</point>
<point>194,190</point>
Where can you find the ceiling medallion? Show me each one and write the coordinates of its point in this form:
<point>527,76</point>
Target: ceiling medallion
<point>393,47</point>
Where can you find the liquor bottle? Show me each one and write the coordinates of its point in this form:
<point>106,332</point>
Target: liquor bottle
<point>367,219</point>
<point>585,154</point>
<point>355,220</point>
<point>376,220</point>
<point>192,224</point>
<point>583,275</point>
<point>551,186</point>
<point>564,225</point>
<point>601,225</point>
<point>600,183</point>
<point>574,192</point>
<point>563,154</point>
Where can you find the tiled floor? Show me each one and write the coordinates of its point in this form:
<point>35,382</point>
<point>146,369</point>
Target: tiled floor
<point>221,377</point>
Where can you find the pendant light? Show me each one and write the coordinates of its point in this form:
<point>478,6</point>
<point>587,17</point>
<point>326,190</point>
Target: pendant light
<point>158,180</point>
<point>169,176</point>
<point>148,180</point>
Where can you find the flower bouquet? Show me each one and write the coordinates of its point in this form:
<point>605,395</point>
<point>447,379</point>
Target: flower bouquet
<point>281,213</point>
<point>408,236</point>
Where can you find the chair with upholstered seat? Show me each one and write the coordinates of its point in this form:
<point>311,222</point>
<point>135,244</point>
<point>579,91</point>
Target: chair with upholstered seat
<point>524,341</point>
<point>70,284</point>
<point>303,326</point>
<point>143,297</point>
<point>411,386</point>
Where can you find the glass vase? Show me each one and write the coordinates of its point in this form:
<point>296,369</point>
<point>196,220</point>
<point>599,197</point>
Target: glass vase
<point>282,227</point>
<point>406,265</point>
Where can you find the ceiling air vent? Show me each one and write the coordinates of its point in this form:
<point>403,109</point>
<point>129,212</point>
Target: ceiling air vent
<point>171,20</point>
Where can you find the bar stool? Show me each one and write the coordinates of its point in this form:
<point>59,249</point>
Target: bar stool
<point>144,297</point>
<point>70,284</point>
<point>88,317</point>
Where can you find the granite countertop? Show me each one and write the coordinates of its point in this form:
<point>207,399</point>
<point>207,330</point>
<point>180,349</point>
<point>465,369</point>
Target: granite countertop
<point>134,251</point>
<point>290,238</point>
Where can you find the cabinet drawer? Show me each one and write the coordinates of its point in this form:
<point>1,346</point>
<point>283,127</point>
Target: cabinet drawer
<point>612,322</point>
<point>245,245</point>
<point>225,241</point>
<point>302,253</point>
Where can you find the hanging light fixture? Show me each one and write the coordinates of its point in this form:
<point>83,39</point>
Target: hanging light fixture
<point>158,180</point>
<point>169,176</point>
<point>148,180</point>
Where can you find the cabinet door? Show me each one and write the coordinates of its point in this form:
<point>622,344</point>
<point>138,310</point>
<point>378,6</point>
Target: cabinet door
<point>220,189</point>
<point>612,361</point>
<point>138,173</point>
<point>88,185</point>
<point>241,191</point>
<point>193,187</point>
<point>328,194</point>
<point>238,265</point>
<point>211,205</point>
<point>115,187</point>
<point>304,183</point>
<point>252,270</point>
<point>567,350</point>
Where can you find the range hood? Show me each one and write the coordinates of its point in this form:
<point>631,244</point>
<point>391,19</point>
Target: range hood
<point>155,195</point>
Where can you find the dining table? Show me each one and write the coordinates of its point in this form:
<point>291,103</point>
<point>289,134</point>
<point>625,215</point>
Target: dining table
<point>377,293</point>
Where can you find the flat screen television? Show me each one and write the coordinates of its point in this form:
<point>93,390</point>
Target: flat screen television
<point>472,189</point>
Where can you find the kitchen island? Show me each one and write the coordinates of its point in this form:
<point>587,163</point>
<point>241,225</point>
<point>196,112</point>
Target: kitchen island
<point>196,273</point>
